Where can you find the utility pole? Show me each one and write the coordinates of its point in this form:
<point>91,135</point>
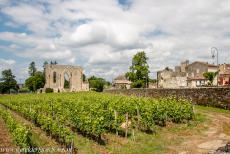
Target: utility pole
<point>214,51</point>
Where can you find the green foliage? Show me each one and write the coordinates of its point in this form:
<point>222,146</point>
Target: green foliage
<point>42,116</point>
<point>96,83</point>
<point>83,77</point>
<point>139,70</point>
<point>94,113</point>
<point>138,84</point>
<point>21,134</point>
<point>49,90</point>
<point>153,80</point>
<point>45,63</point>
<point>32,69</point>
<point>210,76</point>
<point>35,82</point>
<point>8,82</point>
<point>24,90</point>
<point>66,81</point>
<point>66,84</point>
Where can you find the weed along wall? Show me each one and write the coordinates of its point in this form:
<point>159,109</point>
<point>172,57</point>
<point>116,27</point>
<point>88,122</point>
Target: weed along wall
<point>216,97</point>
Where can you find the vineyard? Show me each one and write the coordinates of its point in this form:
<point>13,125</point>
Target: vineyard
<point>90,114</point>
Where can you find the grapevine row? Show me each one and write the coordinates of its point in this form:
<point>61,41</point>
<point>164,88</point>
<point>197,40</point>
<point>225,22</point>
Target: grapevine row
<point>21,134</point>
<point>97,113</point>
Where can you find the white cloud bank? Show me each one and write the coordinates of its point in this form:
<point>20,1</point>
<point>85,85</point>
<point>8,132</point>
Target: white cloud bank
<point>103,35</point>
<point>6,63</point>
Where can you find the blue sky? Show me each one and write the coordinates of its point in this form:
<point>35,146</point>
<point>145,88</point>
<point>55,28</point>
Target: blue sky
<point>103,35</point>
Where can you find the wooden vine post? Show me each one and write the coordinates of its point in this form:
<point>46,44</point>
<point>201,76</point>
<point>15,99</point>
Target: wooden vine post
<point>126,124</point>
<point>138,117</point>
<point>72,146</point>
<point>116,115</point>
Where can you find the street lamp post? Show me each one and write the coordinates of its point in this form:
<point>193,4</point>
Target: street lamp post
<point>214,51</point>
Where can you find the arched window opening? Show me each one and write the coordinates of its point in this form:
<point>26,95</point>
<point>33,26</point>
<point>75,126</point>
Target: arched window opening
<point>54,77</point>
<point>66,81</point>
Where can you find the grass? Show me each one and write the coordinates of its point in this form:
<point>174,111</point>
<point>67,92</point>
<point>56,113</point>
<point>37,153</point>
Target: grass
<point>144,143</point>
<point>164,141</point>
<point>212,109</point>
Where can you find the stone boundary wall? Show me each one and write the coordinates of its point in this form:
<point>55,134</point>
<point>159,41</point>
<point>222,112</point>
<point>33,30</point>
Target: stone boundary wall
<point>216,97</point>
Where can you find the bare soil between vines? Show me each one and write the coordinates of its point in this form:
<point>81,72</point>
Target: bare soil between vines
<point>6,140</point>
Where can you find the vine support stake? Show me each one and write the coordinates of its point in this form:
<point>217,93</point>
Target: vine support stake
<point>133,133</point>
<point>126,124</point>
<point>138,117</point>
<point>115,114</point>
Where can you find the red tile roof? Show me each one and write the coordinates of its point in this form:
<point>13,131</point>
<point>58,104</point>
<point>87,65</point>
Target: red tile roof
<point>224,72</point>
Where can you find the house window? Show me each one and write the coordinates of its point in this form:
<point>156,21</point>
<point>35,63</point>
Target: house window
<point>202,82</point>
<point>54,77</point>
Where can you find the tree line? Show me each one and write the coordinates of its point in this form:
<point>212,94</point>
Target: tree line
<point>36,80</point>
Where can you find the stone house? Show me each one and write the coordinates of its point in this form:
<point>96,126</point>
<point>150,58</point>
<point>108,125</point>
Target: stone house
<point>224,75</point>
<point>194,73</point>
<point>169,78</point>
<point>121,82</point>
<point>185,75</point>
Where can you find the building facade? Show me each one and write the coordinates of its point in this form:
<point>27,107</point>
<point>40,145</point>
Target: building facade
<point>169,78</point>
<point>64,78</point>
<point>121,82</point>
<point>224,75</point>
<point>186,75</point>
<point>194,73</point>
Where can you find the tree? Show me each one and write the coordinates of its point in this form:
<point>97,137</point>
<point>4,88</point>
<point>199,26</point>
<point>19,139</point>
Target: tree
<point>32,69</point>
<point>53,63</point>
<point>83,77</point>
<point>139,71</point>
<point>96,84</point>
<point>35,82</point>
<point>210,76</point>
<point>8,81</point>
<point>44,64</point>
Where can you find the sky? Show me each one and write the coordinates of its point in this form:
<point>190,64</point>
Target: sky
<point>103,35</point>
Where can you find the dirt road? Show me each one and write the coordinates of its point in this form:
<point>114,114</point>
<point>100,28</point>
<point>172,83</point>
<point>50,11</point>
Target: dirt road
<point>216,134</point>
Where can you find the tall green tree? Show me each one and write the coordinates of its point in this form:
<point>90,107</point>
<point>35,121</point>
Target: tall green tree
<point>210,76</point>
<point>83,77</point>
<point>32,69</point>
<point>139,71</point>
<point>96,83</point>
<point>44,66</point>
<point>35,82</point>
<point>8,81</point>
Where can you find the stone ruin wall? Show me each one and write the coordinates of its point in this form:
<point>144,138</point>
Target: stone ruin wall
<point>74,73</point>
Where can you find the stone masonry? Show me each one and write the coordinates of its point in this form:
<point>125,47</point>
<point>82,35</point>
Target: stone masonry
<point>55,78</point>
<point>216,97</point>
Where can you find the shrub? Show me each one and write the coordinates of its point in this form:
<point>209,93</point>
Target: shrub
<point>49,90</point>
<point>24,90</point>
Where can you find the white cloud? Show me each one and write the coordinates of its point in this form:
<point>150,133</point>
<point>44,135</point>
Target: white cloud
<point>6,64</point>
<point>88,34</point>
<point>103,35</point>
